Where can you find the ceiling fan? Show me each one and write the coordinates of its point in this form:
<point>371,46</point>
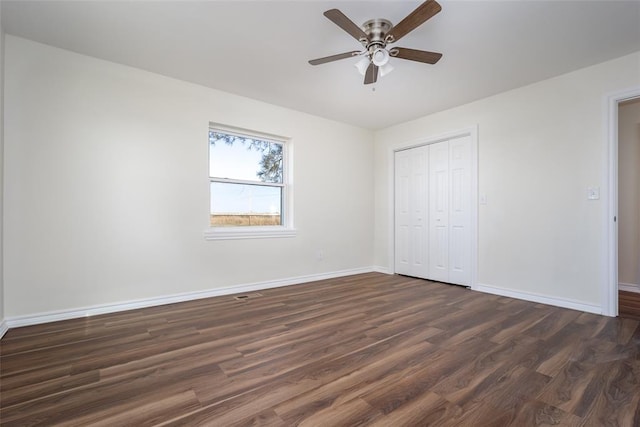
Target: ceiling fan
<point>376,34</point>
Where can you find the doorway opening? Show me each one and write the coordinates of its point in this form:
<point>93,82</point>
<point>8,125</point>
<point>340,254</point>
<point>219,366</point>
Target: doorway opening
<point>629,208</point>
<point>611,291</point>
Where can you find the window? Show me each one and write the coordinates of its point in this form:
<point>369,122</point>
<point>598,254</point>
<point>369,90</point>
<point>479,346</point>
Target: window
<point>248,185</point>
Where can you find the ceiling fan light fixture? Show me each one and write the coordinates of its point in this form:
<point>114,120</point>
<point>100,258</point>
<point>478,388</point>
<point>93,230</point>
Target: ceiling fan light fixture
<point>362,65</point>
<point>386,69</point>
<point>380,57</point>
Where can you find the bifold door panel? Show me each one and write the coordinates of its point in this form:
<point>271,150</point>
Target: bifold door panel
<point>411,257</point>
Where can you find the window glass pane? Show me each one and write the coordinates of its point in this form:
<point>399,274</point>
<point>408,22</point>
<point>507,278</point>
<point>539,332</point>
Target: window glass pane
<point>243,158</point>
<point>242,204</point>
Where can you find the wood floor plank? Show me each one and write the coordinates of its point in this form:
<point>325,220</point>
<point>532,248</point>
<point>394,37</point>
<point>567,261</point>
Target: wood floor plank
<point>138,389</point>
<point>258,394</point>
<point>69,353</point>
<point>368,349</point>
<point>478,413</point>
<point>440,366</point>
<point>536,413</point>
<point>484,364</point>
<point>428,409</point>
<point>567,389</point>
<point>264,418</point>
<point>375,374</point>
<point>15,395</point>
<point>353,413</point>
<point>561,346</point>
<point>138,412</point>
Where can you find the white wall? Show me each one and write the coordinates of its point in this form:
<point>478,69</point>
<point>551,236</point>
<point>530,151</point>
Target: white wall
<point>107,191</point>
<point>540,147</point>
<point>629,193</point>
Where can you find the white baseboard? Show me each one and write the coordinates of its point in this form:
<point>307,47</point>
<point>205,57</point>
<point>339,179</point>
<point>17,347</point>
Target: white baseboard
<point>543,299</point>
<point>379,269</point>
<point>3,328</point>
<point>53,316</point>
<point>629,287</point>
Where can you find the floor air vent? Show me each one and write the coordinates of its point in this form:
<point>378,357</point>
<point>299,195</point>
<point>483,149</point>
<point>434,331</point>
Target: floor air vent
<point>245,297</point>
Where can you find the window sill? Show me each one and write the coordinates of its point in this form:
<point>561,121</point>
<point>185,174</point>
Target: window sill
<point>233,233</point>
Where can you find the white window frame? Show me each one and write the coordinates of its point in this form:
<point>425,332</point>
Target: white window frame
<point>256,232</point>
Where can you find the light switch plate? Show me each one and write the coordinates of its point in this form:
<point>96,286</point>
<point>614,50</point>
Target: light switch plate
<point>593,193</point>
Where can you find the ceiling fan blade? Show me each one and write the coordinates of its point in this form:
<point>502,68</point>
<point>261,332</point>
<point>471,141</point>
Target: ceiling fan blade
<point>416,18</point>
<point>333,58</point>
<point>341,20</point>
<point>415,55</point>
<point>371,75</point>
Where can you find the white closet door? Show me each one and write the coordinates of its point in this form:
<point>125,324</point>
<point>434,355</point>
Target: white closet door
<point>420,213</point>
<point>433,211</point>
<point>460,211</point>
<point>402,212</point>
<point>439,211</point>
<point>411,201</point>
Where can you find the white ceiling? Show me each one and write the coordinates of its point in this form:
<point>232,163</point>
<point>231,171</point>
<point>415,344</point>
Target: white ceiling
<point>260,49</point>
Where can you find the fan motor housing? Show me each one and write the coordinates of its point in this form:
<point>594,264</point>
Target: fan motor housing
<point>376,29</point>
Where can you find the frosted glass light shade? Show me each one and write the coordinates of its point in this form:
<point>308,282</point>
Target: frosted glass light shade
<point>386,69</point>
<point>380,57</point>
<point>362,65</point>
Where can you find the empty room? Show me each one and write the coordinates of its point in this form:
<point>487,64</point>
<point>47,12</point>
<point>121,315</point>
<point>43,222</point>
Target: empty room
<point>319,213</point>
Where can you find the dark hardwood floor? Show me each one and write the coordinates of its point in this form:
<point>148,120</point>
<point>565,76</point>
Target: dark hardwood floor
<point>370,349</point>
